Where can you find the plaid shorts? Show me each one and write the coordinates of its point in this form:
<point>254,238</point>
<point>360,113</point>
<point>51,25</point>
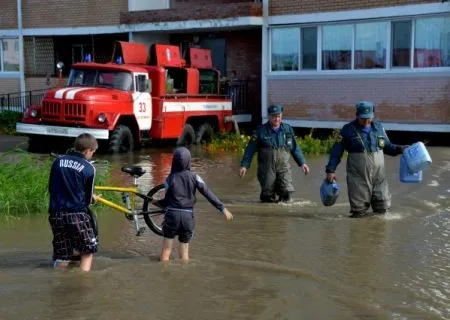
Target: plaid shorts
<point>72,230</point>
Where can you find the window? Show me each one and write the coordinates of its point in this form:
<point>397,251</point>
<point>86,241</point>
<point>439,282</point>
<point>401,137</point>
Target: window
<point>370,45</point>
<point>401,43</point>
<point>142,84</point>
<point>420,42</point>
<point>337,47</point>
<point>309,48</point>
<point>285,49</point>
<point>432,42</point>
<point>10,56</point>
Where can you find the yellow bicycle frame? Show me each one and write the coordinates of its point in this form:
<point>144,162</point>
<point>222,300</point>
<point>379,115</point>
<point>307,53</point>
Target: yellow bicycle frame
<point>131,190</point>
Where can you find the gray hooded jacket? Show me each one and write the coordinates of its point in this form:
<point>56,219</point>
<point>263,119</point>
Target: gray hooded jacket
<point>182,184</point>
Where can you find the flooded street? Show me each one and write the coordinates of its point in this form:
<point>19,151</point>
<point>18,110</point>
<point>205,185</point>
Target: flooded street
<point>274,261</point>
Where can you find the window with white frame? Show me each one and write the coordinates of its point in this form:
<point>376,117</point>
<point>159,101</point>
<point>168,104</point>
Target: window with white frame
<point>337,47</point>
<point>370,45</point>
<point>423,42</point>
<point>294,49</point>
<point>432,42</point>
<point>285,49</point>
<point>401,33</point>
<point>9,58</point>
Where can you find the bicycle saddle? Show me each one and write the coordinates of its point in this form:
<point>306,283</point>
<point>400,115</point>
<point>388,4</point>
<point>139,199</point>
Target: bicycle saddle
<point>134,170</point>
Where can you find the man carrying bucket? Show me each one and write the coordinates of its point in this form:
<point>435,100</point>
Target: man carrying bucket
<point>366,141</point>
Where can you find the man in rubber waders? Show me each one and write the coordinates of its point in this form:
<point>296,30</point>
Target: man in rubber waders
<point>275,142</point>
<point>366,142</point>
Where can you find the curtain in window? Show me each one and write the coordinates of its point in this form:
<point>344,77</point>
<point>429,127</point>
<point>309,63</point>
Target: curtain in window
<point>337,47</point>
<point>432,37</point>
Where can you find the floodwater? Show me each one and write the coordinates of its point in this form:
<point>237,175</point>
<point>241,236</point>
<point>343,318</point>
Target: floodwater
<point>273,261</point>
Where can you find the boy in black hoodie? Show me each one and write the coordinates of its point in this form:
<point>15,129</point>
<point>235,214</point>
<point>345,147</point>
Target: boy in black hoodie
<point>179,201</point>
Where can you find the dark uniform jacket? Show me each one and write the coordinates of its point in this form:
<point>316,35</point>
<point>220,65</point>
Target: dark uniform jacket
<point>266,137</point>
<point>354,139</point>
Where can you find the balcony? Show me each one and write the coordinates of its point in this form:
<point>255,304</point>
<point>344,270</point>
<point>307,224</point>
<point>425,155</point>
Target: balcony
<point>183,12</point>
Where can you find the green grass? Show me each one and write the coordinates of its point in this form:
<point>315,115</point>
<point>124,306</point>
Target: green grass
<point>24,183</point>
<point>223,142</point>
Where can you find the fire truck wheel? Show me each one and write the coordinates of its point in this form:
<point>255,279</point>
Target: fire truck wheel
<point>121,140</point>
<point>204,133</point>
<point>187,137</point>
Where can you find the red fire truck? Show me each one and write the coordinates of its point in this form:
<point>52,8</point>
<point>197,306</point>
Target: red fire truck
<point>142,95</point>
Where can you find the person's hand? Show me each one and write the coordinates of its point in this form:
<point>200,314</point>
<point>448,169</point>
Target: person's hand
<point>227,214</point>
<point>96,197</point>
<point>242,171</point>
<point>305,168</point>
<point>331,176</point>
<point>401,148</point>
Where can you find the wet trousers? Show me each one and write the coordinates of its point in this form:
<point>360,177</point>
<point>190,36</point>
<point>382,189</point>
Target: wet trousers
<point>274,174</point>
<point>366,183</point>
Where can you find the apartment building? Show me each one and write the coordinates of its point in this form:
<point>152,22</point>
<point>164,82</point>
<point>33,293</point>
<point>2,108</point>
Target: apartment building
<point>323,56</point>
<point>38,34</point>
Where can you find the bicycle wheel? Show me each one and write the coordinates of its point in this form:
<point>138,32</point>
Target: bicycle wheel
<point>154,215</point>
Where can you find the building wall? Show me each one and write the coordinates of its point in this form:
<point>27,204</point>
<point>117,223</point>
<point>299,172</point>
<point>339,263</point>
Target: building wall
<point>290,7</point>
<point>418,99</point>
<point>9,85</point>
<point>67,13</point>
<point>8,15</point>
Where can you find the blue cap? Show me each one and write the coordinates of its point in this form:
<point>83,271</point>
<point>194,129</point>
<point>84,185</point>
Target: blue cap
<point>275,109</point>
<point>364,109</point>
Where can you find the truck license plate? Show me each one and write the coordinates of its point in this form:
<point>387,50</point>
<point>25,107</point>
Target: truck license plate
<point>57,131</point>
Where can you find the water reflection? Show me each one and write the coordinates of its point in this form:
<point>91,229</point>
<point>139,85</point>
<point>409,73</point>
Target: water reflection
<point>276,261</point>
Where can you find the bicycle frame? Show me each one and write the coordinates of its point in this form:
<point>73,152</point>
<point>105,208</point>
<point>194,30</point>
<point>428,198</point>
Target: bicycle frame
<point>128,198</point>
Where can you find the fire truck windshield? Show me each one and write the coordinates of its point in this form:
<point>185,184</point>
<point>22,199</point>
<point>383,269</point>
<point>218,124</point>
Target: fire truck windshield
<point>101,78</point>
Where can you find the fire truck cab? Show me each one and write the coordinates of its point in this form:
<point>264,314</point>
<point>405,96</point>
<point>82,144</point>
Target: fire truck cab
<point>141,95</point>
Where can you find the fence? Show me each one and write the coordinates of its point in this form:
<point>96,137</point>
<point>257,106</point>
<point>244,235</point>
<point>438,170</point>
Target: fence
<point>19,101</point>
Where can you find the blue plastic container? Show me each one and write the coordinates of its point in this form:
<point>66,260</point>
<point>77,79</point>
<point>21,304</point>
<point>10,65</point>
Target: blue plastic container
<point>329,192</point>
<point>406,175</point>
<point>417,157</point>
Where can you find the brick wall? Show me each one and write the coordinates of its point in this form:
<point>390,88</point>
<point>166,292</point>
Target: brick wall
<point>194,12</point>
<point>244,53</point>
<point>405,99</point>
<point>67,13</point>
<point>8,15</point>
<point>281,7</point>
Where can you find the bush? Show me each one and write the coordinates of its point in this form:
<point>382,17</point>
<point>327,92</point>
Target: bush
<point>8,120</point>
<point>236,143</point>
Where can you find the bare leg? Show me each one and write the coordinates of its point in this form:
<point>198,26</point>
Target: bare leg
<point>166,249</point>
<point>86,262</point>
<point>183,251</point>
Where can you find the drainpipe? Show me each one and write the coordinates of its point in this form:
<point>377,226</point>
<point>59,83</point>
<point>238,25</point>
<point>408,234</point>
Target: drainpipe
<point>264,59</point>
<point>21,57</point>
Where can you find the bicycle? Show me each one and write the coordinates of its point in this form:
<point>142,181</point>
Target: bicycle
<point>153,215</point>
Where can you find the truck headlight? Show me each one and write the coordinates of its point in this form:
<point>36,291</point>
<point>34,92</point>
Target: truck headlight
<point>33,113</point>
<point>101,118</point>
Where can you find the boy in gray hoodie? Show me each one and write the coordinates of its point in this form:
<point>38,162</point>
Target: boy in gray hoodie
<point>181,186</point>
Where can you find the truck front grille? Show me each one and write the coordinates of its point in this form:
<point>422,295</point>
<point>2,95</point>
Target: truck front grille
<point>74,111</point>
<point>51,110</point>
